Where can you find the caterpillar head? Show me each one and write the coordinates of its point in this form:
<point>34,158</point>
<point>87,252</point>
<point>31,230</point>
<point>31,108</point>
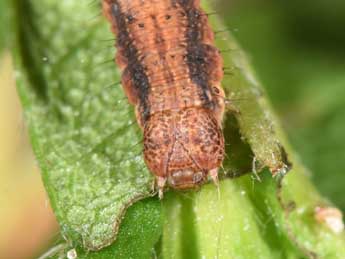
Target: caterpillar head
<point>183,147</point>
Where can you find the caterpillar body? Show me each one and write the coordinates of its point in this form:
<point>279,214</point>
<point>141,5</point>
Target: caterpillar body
<point>171,73</point>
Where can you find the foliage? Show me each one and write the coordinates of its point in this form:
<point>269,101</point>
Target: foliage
<point>88,147</point>
<point>303,43</point>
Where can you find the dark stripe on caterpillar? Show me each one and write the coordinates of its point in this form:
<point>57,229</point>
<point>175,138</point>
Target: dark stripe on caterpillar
<point>196,50</point>
<point>136,70</point>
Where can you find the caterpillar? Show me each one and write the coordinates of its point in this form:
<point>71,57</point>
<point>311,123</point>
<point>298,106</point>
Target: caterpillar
<point>171,73</point>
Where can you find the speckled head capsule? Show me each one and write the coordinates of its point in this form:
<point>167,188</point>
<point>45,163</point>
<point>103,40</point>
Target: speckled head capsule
<point>172,74</point>
<point>183,146</point>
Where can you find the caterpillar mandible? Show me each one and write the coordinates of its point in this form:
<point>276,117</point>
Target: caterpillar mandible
<point>171,73</point>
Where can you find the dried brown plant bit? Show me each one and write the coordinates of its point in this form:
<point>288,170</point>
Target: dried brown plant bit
<point>331,217</point>
<point>171,74</point>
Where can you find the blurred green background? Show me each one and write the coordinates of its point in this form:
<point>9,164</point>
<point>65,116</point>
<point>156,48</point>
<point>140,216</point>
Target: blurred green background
<point>298,51</point>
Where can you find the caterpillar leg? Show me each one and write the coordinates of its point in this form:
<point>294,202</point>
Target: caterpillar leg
<point>160,184</point>
<point>231,107</point>
<point>214,176</point>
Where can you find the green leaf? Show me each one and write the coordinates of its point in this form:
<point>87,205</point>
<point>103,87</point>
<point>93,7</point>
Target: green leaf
<point>84,134</point>
<point>308,94</point>
<point>225,223</point>
<point>244,219</point>
<point>257,123</point>
<point>138,233</point>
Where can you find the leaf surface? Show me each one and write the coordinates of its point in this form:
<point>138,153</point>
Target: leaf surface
<point>83,130</point>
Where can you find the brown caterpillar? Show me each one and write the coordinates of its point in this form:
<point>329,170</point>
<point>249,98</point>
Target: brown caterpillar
<point>171,74</point>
